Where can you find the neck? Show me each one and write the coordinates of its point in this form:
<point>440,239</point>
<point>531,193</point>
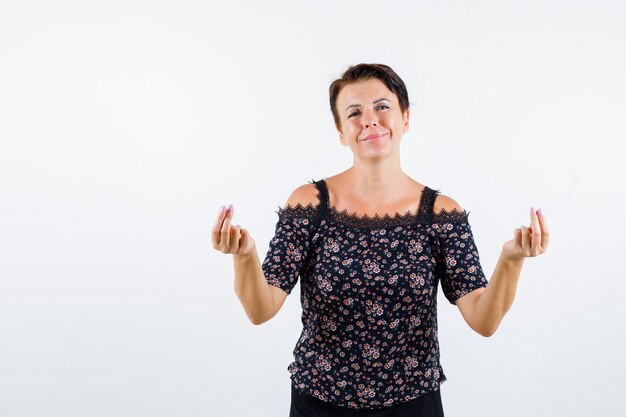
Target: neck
<point>378,184</point>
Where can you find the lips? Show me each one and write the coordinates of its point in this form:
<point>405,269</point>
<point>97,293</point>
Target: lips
<point>374,136</point>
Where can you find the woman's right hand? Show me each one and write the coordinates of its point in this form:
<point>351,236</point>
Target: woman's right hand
<point>229,239</point>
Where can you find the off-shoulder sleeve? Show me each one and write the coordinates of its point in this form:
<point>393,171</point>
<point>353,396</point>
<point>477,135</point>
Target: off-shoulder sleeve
<point>460,268</point>
<point>289,248</point>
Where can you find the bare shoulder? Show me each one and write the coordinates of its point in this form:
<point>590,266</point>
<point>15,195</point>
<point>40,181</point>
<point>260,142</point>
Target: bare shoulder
<point>447,203</point>
<point>303,195</point>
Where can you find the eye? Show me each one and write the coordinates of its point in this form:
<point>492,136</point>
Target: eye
<point>383,105</point>
<point>352,114</point>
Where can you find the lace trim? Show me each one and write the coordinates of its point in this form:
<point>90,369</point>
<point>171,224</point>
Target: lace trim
<point>298,211</point>
<point>352,220</point>
<point>424,213</point>
<point>365,221</point>
<point>445,216</point>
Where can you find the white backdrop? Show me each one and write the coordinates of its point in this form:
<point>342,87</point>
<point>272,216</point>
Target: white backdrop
<point>125,125</point>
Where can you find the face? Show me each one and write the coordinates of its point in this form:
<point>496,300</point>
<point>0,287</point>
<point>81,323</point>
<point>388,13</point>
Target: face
<point>370,118</point>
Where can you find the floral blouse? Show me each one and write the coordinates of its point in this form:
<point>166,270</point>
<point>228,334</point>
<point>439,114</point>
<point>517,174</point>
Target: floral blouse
<point>369,296</point>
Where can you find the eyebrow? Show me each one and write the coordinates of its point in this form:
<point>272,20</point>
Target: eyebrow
<point>375,101</point>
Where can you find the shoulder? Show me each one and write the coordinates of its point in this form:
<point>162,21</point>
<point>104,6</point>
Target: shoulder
<point>444,202</point>
<point>303,195</point>
<point>302,205</point>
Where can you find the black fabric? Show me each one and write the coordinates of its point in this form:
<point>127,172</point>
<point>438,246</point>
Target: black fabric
<point>303,405</point>
<point>368,290</point>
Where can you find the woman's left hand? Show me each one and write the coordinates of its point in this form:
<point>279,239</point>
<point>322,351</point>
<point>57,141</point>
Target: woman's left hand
<point>528,241</point>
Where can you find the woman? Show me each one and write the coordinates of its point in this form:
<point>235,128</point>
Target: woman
<point>370,246</point>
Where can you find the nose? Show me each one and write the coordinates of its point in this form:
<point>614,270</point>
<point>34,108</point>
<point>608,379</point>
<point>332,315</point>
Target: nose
<point>369,118</point>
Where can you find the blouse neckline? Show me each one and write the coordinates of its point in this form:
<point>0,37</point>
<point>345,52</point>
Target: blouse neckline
<point>365,221</point>
<point>321,211</point>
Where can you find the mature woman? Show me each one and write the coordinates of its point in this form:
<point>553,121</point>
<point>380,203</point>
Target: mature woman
<point>370,246</point>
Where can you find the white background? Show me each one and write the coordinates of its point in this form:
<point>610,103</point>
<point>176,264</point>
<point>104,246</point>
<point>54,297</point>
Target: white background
<point>125,125</point>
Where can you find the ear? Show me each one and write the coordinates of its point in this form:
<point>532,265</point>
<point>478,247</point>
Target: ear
<point>342,138</point>
<point>405,120</point>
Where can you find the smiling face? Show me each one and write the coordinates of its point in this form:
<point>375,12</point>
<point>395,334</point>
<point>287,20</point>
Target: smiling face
<point>370,117</point>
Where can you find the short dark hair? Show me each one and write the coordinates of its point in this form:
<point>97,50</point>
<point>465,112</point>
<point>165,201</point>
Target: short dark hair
<point>362,72</point>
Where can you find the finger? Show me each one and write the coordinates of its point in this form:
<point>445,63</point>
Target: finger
<point>244,237</point>
<point>217,226</point>
<point>535,243</point>
<point>236,235</point>
<point>525,240</point>
<point>545,231</point>
<point>225,230</point>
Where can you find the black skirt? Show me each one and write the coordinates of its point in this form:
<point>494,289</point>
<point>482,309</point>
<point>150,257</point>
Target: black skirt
<point>304,405</point>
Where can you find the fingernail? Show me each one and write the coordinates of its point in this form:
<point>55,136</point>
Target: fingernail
<point>539,211</point>
<point>221,209</point>
<point>230,208</point>
<point>532,210</point>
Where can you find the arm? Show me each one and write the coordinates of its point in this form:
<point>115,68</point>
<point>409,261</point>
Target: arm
<point>260,299</point>
<point>483,309</point>
<point>250,284</point>
<point>252,289</point>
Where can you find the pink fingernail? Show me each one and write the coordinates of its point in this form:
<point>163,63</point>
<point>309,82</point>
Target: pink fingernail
<point>532,211</point>
<point>539,211</point>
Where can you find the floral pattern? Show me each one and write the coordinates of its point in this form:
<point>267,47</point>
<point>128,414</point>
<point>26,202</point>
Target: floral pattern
<point>369,296</point>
